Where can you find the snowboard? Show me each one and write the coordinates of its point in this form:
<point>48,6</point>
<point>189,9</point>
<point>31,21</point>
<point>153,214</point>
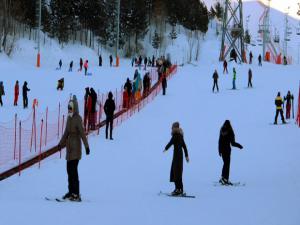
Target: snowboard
<point>184,195</point>
<point>233,184</point>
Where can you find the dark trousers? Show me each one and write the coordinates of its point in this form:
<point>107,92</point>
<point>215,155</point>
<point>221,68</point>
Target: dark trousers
<point>249,83</point>
<point>281,115</point>
<point>85,71</point>
<point>179,184</point>
<point>215,85</point>
<point>164,90</point>
<point>225,70</point>
<point>226,165</point>
<point>73,181</point>
<point>25,102</point>
<point>109,123</point>
<point>1,103</point>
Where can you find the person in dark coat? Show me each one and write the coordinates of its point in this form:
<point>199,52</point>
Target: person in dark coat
<point>226,140</point>
<point>259,60</point>
<point>164,83</point>
<point>128,86</point>
<point>109,108</point>
<point>111,60</point>
<point>250,78</point>
<point>60,64</point>
<point>25,96</point>
<point>80,64</point>
<point>177,141</point>
<point>71,66</point>
<point>289,98</point>
<point>2,92</point>
<point>146,84</point>
<point>215,78</point>
<point>250,57</point>
<point>225,66</point>
<point>100,60</point>
<point>153,61</point>
<point>145,62</point>
<point>93,112</point>
<point>86,112</point>
<point>71,138</point>
<point>279,103</point>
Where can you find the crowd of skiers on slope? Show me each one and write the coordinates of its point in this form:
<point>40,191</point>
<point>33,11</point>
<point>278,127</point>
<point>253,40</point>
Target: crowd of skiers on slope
<point>25,90</point>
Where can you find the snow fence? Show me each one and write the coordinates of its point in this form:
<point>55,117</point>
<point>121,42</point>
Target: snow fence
<point>27,142</point>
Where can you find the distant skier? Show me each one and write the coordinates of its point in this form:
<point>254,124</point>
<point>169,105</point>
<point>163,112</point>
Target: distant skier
<point>289,98</point>
<point>92,111</point>
<point>234,79</point>
<point>109,108</point>
<point>233,55</point>
<point>284,60</point>
<point>225,67</point>
<point>226,140</point>
<point>133,61</point>
<point>250,57</point>
<point>71,138</point>
<point>250,78</point>
<point>145,62</point>
<point>2,92</point>
<point>71,66</point>
<point>16,94</point>
<point>177,140</point>
<point>110,60</point>
<point>25,89</point>
<point>60,64</point>
<point>86,65</point>
<point>259,60</point>
<point>86,111</point>
<point>279,103</point>
<point>100,60</point>
<point>80,64</point>
<point>164,83</point>
<point>215,78</point>
<point>153,61</point>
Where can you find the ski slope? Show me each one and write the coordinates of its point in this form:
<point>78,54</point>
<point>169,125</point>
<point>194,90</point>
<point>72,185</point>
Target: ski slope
<point>120,180</point>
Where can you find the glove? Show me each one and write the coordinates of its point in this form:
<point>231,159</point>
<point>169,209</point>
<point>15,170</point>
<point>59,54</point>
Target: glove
<point>87,150</point>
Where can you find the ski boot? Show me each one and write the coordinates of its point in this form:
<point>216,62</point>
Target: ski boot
<point>67,196</point>
<point>75,198</point>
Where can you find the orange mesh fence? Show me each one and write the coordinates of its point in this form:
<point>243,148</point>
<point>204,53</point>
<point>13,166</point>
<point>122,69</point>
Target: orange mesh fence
<point>22,140</point>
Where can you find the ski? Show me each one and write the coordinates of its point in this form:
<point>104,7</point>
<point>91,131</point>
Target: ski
<point>286,123</point>
<point>233,184</point>
<point>59,200</point>
<point>184,195</point>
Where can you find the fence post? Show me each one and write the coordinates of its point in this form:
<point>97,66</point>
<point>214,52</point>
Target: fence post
<point>58,120</point>
<point>46,132</point>
<point>100,113</point>
<point>20,153</point>
<point>15,141</point>
<point>63,123</point>
<point>32,128</point>
<point>41,139</point>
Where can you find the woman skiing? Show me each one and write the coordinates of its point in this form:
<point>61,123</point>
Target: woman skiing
<point>226,139</point>
<point>71,138</point>
<point>177,163</point>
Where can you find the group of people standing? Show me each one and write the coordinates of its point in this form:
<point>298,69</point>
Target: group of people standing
<point>279,103</point>
<point>25,90</point>
<point>215,78</point>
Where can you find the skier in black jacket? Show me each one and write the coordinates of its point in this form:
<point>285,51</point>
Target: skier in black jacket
<point>25,97</point>
<point>226,140</point>
<point>289,98</point>
<point>109,108</point>
<point>177,163</point>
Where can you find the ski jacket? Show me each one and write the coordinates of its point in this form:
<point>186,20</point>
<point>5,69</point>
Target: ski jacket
<point>86,65</point>
<point>226,140</point>
<point>25,89</point>
<point>278,102</point>
<point>215,76</point>
<point>1,89</point>
<point>288,99</point>
<point>109,107</point>
<point>73,135</point>
<point>234,75</point>
<point>16,90</point>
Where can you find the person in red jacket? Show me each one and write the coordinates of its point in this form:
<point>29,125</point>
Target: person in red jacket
<point>86,65</point>
<point>89,108</point>
<point>16,93</point>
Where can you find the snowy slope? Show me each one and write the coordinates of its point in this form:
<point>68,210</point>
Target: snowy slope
<point>120,179</point>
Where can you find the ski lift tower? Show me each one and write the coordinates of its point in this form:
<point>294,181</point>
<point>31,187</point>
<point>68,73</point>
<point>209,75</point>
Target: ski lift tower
<point>265,29</point>
<point>233,30</point>
<point>287,33</point>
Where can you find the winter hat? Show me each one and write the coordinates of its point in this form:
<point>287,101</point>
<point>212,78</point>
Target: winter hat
<point>175,125</point>
<point>176,129</point>
<point>110,95</point>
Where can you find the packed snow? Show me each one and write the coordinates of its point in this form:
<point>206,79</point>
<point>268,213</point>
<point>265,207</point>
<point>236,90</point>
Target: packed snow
<point>120,179</point>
